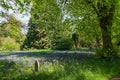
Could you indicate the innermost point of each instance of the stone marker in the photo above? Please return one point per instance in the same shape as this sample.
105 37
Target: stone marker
37 65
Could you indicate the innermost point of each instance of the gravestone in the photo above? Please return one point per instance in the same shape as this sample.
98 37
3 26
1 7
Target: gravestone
37 65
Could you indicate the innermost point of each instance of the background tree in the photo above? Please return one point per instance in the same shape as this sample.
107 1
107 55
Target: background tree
104 11
101 10
45 17
11 28
62 38
10 34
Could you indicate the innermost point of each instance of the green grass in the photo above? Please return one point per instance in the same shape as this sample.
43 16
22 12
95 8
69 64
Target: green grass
34 51
75 69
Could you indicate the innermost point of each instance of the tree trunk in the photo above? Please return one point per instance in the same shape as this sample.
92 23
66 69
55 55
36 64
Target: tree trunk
107 41
105 25
105 11
97 43
76 44
75 39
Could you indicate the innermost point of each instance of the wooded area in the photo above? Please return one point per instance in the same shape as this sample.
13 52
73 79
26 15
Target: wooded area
60 24
65 25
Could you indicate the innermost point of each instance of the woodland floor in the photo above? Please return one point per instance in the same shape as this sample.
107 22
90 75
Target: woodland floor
59 65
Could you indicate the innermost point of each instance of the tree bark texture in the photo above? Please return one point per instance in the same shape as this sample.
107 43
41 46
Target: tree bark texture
105 16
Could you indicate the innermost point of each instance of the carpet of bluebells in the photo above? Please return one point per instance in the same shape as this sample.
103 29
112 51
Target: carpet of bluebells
60 65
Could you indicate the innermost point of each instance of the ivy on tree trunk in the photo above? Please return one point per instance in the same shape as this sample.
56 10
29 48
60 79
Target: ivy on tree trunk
105 12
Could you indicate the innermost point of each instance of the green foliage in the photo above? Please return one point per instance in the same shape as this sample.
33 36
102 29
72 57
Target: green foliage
8 44
107 54
100 10
15 5
75 36
10 34
36 38
11 28
45 17
93 21
62 44
61 38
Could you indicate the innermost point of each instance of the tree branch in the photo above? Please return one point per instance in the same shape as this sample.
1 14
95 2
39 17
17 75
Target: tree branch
93 6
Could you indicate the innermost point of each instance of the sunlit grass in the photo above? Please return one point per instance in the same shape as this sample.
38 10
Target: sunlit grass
75 69
27 51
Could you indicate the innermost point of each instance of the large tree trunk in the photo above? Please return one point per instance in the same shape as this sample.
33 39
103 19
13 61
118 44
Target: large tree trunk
108 49
105 11
106 20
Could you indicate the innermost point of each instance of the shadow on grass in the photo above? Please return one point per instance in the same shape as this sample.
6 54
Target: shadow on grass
71 66
87 69
51 54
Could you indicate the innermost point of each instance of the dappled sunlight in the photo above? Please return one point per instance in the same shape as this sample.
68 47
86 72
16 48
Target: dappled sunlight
59 39
64 67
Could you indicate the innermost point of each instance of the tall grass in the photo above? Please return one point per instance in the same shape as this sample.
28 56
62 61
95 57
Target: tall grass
60 69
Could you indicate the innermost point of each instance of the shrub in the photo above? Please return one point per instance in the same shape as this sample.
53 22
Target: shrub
63 44
9 44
